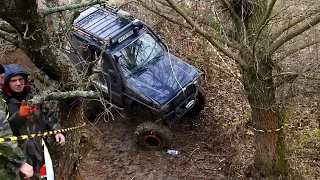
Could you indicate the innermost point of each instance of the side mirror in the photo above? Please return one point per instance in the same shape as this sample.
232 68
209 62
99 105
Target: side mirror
116 59
113 76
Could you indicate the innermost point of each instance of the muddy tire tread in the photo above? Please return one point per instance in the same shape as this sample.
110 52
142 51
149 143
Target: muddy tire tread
157 129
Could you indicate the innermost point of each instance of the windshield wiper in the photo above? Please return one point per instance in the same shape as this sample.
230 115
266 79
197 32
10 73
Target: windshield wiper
140 70
157 57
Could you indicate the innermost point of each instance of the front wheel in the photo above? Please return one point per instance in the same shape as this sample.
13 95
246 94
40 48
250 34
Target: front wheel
153 136
199 106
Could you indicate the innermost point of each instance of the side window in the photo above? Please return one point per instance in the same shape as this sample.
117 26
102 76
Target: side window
80 48
78 52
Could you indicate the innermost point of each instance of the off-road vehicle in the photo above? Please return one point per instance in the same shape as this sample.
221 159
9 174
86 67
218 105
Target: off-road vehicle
138 70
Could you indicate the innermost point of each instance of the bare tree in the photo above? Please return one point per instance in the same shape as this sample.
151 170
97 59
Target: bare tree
257 37
23 24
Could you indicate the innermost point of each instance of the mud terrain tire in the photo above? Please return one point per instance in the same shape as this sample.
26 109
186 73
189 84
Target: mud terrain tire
153 136
197 108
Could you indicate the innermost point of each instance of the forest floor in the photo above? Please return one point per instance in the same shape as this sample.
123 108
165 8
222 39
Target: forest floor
120 158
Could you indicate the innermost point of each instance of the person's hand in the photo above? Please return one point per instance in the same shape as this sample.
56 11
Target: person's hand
27 170
60 139
26 111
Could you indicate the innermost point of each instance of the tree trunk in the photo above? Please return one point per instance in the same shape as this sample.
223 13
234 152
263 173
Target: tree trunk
267 116
67 158
258 83
34 40
270 150
23 15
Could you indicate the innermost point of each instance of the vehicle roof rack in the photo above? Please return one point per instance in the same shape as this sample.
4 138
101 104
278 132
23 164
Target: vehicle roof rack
102 22
108 7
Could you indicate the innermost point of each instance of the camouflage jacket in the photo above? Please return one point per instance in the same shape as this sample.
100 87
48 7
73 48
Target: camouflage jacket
9 151
41 121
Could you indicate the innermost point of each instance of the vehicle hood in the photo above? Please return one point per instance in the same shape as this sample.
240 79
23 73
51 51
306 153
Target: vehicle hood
164 78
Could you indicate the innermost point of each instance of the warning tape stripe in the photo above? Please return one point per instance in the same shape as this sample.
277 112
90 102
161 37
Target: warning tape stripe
23 137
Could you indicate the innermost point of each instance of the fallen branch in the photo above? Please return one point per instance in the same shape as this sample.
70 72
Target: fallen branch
70 7
56 95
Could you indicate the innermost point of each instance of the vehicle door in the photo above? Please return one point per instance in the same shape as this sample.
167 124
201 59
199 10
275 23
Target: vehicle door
109 77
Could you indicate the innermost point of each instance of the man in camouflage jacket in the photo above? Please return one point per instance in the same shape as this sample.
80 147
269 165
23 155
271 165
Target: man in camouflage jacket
11 156
29 120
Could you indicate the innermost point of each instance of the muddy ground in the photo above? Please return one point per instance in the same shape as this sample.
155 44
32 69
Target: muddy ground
120 158
205 149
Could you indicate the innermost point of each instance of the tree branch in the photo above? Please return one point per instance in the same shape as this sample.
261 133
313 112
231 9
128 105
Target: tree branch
170 19
54 95
187 26
267 15
4 26
186 17
43 78
298 48
126 3
202 20
12 38
263 23
294 22
232 12
232 43
215 41
285 38
240 25
70 7
288 77
310 93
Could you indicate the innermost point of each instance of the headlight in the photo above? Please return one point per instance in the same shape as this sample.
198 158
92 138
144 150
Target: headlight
199 82
196 82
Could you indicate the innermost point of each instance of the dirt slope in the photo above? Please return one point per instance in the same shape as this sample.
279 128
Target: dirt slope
120 158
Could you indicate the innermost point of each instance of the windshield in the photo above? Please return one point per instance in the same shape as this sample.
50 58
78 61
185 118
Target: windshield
139 54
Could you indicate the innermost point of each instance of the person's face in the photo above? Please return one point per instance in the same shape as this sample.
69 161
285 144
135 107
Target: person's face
16 84
1 79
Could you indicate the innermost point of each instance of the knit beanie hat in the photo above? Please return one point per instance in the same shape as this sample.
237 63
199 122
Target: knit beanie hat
2 69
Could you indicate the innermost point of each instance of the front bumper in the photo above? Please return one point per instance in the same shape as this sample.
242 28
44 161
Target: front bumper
181 105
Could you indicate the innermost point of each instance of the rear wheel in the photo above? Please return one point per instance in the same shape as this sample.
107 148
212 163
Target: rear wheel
199 106
153 136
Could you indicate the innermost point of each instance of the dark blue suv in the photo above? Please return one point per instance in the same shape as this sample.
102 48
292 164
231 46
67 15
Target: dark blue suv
138 70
